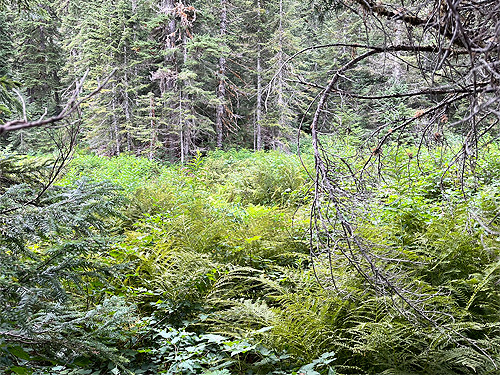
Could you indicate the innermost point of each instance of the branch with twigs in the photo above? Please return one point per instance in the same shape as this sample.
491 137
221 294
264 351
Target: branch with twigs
65 147
340 194
71 106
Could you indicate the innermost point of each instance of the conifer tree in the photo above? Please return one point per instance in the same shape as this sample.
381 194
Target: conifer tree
7 101
5 45
221 89
38 59
282 97
110 38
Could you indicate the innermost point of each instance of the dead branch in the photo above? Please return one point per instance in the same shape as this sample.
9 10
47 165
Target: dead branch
71 106
461 49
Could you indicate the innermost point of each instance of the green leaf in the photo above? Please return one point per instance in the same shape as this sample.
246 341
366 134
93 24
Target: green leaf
308 370
237 347
214 338
19 352
21 370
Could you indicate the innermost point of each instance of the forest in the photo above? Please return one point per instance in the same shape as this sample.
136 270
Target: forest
249 187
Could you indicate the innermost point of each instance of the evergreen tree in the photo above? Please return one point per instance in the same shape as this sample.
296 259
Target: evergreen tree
5 45
282 95
8 102
222 68
112 37
185 79
51 271
38 59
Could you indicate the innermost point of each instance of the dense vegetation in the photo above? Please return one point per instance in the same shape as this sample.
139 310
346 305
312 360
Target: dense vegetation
249 187
130 265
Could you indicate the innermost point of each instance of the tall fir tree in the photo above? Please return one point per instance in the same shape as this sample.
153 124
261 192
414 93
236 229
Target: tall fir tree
38 57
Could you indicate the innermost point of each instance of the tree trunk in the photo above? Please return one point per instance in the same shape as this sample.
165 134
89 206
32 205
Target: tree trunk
221 91
126 101
181 127
184 101
258 110
167 77
397 71
116 126
152 115
167 7
280 87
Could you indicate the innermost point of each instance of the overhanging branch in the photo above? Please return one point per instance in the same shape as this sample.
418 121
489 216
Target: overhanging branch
71 106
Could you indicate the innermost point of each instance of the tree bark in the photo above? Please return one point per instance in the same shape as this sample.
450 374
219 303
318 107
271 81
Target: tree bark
221 90
116 125
126 100
258 110
167 7
152 115
185 107
280 82
397 71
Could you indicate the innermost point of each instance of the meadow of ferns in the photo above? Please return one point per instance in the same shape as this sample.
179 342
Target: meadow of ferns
130 266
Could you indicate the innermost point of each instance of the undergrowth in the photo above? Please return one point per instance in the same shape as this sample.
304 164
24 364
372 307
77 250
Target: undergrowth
213 273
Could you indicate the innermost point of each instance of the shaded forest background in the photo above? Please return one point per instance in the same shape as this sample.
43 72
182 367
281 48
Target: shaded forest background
190 77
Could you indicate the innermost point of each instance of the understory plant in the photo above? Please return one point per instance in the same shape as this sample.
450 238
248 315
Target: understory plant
212 275
54 274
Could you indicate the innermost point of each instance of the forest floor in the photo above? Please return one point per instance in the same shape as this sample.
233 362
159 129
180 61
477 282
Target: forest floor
207 269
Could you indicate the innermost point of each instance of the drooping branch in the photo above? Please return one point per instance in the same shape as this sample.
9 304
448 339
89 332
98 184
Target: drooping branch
373 51
65 147
71 106
443 16
451 30
442 90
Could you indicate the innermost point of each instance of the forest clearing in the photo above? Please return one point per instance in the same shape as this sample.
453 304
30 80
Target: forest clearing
249 187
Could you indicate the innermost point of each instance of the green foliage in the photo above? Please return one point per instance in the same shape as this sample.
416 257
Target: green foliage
52 277
17 169
448 255
37 57
215 276
8 102
263 178
181 351
229 232
131 265
128 172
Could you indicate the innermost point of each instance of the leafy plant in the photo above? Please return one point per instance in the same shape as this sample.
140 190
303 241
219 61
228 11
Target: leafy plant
53 275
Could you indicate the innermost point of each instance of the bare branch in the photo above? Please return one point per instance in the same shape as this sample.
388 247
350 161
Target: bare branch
71 106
